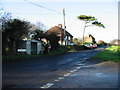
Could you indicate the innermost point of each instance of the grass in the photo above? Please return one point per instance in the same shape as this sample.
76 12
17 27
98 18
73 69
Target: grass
111 53
58 51
18 57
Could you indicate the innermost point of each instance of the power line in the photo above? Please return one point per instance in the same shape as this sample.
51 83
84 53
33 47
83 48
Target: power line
43 7
53 11
36 13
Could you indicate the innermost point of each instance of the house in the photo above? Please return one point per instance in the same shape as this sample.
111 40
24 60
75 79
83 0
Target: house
115 42
59 31
89 39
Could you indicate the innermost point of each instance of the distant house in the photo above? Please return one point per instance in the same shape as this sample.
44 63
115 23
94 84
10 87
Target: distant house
89 39
59 31
115 42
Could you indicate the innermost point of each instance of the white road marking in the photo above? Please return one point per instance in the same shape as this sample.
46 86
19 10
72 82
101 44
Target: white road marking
47 85
56 80
61 78
80 64
67 74
78 67
73 70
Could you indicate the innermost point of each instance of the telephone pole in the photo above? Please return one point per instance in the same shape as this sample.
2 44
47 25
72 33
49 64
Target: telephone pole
64 26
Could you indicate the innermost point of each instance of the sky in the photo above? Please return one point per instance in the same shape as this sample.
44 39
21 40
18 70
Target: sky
50 13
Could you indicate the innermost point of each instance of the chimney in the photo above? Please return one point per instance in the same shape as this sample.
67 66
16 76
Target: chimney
60 25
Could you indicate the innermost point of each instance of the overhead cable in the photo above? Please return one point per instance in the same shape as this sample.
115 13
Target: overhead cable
42 6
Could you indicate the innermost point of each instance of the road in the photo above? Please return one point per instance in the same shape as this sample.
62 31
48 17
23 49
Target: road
44 72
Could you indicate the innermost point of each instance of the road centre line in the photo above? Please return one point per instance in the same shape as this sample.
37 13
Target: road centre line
61 78
78 67
47 85
73 70
67 74
79 64
56 80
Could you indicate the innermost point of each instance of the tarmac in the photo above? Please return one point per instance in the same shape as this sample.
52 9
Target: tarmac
90 75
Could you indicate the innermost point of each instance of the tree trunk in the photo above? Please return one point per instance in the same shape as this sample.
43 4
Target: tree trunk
84 33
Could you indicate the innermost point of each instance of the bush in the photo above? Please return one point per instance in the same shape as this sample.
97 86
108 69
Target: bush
58 51
74 47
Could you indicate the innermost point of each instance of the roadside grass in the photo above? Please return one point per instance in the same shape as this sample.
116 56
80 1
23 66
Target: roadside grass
111 53
18 57
58 51
61 50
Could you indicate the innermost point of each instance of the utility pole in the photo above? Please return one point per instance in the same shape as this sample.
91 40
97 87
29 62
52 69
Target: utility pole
64 26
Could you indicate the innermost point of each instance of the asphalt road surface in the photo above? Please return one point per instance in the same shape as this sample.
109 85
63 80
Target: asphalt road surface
51 72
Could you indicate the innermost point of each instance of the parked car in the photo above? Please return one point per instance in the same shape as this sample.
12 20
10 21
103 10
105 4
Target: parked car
94 45
88 45
91 46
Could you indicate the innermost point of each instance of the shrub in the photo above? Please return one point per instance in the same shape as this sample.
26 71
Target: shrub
74 47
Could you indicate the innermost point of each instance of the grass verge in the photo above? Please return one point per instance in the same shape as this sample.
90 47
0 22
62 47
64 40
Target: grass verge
111 53
58 51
